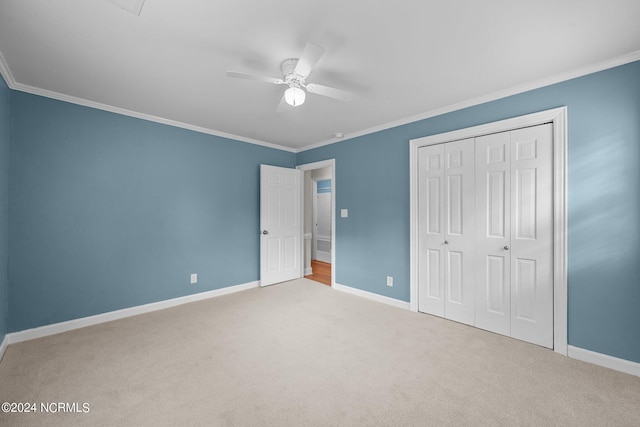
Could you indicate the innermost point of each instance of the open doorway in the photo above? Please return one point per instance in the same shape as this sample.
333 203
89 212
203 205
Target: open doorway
319 221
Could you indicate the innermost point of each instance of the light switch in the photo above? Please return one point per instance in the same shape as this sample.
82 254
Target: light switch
344 213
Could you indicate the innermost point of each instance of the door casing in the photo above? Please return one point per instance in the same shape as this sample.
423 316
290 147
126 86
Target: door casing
319 165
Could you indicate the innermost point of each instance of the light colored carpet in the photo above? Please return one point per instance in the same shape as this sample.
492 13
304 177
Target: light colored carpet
303 354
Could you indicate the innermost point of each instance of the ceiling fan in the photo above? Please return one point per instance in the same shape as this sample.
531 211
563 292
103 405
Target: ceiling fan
294 74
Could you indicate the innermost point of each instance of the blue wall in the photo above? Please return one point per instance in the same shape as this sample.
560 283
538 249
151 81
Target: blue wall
372 181
4 205
108 211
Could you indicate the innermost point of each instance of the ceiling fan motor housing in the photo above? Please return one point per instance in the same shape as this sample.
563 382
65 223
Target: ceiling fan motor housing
290 77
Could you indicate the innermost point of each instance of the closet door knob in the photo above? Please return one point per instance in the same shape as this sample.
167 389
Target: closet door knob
265 232
506 247
446 242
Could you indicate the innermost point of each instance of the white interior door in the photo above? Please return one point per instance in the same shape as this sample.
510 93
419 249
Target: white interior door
446 230
280 227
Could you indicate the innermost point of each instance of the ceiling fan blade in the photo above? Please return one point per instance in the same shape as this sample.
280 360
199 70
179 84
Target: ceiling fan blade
310 57
331 92
241 75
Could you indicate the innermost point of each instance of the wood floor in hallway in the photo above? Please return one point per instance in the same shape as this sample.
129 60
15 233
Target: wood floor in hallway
321 272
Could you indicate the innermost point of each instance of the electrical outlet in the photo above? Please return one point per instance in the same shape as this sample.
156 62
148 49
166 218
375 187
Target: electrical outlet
390 281
194 278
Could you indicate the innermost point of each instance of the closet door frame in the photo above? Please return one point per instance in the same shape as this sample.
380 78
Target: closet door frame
558 118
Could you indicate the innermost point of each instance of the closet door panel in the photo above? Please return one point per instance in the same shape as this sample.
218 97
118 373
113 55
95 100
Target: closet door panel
493 229
532 237
460 231
431 230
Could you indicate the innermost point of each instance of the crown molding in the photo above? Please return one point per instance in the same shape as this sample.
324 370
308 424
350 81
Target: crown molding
6 73
13 84
558 78
125 112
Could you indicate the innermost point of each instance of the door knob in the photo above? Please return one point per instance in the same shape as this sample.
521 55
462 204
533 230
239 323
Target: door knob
506 247
265 232
446 242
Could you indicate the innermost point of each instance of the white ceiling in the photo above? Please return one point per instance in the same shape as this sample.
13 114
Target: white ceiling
403 59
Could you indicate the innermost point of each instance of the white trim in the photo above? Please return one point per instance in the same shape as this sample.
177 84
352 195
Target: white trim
558 117
13 84
319 165
558 78
3 346
604 360
579 72
6 73
314 218
144 116
336 140
560 253
306 237
70 325
370 295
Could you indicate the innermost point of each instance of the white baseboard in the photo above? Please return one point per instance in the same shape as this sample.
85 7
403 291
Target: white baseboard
370 295
622 365
3 346
70 325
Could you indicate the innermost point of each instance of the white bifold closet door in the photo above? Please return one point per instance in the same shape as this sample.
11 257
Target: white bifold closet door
485 226
446 229
514 240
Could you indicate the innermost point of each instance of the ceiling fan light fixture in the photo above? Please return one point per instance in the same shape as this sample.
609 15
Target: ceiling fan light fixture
294 74
294 96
